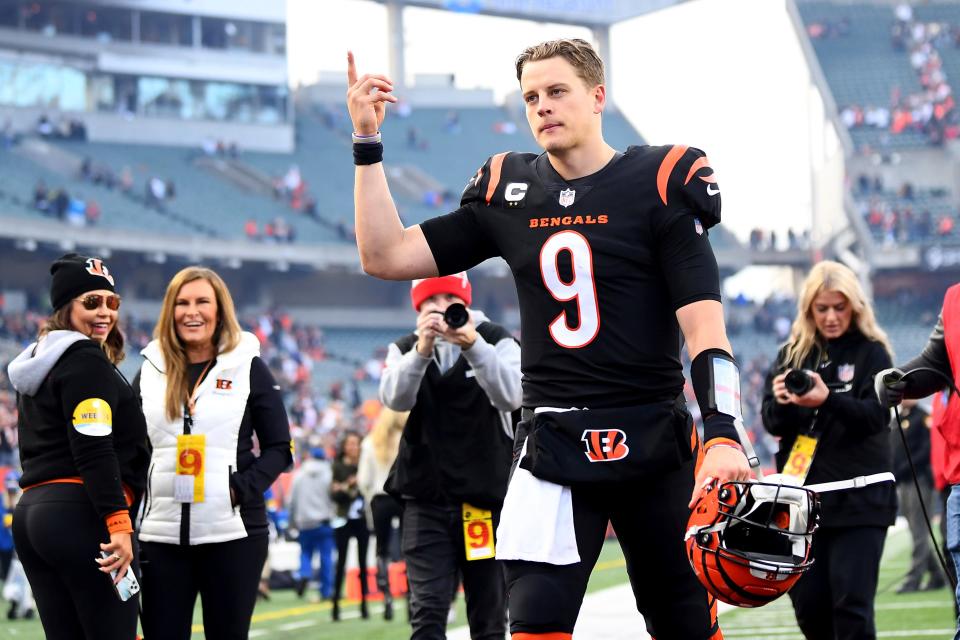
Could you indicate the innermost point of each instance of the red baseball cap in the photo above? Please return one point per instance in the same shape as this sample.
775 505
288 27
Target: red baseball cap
456 284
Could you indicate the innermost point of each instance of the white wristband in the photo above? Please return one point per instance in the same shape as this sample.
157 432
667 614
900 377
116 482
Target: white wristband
372 138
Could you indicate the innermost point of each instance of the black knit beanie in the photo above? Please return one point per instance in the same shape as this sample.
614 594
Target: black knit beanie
74 274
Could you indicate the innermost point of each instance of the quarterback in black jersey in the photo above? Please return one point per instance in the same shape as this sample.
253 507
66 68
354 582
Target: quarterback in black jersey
611 260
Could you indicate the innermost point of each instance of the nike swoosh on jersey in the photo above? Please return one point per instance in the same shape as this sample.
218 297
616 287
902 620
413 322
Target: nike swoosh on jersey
712 190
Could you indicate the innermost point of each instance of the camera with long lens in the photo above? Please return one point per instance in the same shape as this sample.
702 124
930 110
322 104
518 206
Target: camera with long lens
456 315
798 382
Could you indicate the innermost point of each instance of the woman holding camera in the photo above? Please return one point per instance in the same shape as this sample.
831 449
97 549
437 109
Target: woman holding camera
819 400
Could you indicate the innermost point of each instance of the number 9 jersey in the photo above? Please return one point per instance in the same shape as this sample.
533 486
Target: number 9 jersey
601 265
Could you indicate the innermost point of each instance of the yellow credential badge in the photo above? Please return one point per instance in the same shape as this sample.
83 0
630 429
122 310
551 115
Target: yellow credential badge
801 457
477 533
93 417
191 463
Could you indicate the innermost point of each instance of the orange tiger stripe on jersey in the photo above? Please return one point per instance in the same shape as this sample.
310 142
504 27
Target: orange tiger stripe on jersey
714 621
553 635
700 163
666 168
496 163
696 449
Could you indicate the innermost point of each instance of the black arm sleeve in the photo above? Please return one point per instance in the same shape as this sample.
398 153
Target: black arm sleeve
934 356
859 411
272 427
82 379
458 241
687 260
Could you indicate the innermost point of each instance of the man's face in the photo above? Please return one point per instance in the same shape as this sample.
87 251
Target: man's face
563 112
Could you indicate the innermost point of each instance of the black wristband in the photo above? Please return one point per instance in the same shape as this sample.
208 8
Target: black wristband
366 153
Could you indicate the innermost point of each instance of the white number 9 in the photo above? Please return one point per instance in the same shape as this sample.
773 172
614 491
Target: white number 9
581 288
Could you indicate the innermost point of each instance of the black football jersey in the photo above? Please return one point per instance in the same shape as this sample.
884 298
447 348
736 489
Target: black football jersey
601 265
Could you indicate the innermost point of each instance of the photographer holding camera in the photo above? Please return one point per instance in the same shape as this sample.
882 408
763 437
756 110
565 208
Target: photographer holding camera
819 400
460 384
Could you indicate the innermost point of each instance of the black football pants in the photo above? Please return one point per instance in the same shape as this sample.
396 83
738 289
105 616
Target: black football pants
57 535
650 518
433 547
833 600
225 575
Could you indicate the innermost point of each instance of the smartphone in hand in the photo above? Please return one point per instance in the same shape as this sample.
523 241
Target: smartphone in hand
128 586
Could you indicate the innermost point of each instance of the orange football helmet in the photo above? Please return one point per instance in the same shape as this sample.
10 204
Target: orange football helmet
749 542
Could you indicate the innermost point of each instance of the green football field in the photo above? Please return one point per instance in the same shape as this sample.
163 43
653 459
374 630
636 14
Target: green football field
920 615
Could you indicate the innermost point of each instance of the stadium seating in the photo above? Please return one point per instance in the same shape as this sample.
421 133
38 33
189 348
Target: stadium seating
19 176
200 195
862 67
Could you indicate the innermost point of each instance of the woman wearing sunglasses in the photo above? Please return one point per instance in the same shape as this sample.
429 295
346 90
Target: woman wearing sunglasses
84 456
205 393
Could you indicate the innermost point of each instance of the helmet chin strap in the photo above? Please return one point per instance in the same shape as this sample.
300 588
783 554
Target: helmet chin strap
748 449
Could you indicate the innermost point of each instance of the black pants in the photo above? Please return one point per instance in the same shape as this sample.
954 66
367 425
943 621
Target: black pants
6 559
923 559
433 547
354 528
225 575
57 535
834 598
385 508
650 517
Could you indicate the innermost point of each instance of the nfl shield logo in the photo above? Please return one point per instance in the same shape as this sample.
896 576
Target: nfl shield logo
845 372
566 197
697 226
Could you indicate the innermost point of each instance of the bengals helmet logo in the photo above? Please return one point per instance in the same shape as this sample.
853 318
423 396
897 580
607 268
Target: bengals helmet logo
95 267
605 445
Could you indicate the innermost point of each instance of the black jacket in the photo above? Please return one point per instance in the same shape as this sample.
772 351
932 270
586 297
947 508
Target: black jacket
56 443
454 447
852 428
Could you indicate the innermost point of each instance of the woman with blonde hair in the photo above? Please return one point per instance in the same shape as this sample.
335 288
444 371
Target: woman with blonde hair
206 393
819 399
377 453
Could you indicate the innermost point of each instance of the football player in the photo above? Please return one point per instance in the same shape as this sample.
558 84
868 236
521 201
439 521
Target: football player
611 260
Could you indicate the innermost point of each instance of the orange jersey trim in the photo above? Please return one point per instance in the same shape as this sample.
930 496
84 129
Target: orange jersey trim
696 449
127 492
666 168
496 164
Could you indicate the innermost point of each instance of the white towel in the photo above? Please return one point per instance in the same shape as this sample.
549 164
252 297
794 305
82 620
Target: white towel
536 521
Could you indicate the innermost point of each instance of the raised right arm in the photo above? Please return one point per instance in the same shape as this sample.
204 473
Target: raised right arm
387 249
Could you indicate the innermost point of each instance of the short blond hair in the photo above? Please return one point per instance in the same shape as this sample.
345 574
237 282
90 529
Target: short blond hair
579 53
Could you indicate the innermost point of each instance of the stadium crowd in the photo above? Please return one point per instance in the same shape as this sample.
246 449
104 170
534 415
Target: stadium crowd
931 111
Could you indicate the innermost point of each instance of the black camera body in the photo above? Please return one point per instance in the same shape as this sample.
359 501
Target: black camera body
798 382
456 315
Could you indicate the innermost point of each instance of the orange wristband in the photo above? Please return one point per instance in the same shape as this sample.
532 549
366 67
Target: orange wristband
722 441
119 522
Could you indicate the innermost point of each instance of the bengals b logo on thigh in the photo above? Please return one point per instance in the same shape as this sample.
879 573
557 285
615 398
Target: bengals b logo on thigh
605 445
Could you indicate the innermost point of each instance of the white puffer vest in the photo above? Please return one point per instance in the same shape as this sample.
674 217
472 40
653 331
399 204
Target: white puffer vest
221 401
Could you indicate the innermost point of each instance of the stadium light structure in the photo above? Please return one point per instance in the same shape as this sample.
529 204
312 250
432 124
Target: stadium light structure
596 15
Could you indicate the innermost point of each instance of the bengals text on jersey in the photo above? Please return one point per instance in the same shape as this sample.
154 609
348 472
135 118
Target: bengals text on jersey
601 265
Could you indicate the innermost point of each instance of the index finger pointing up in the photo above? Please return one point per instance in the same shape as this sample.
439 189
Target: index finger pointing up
351 69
